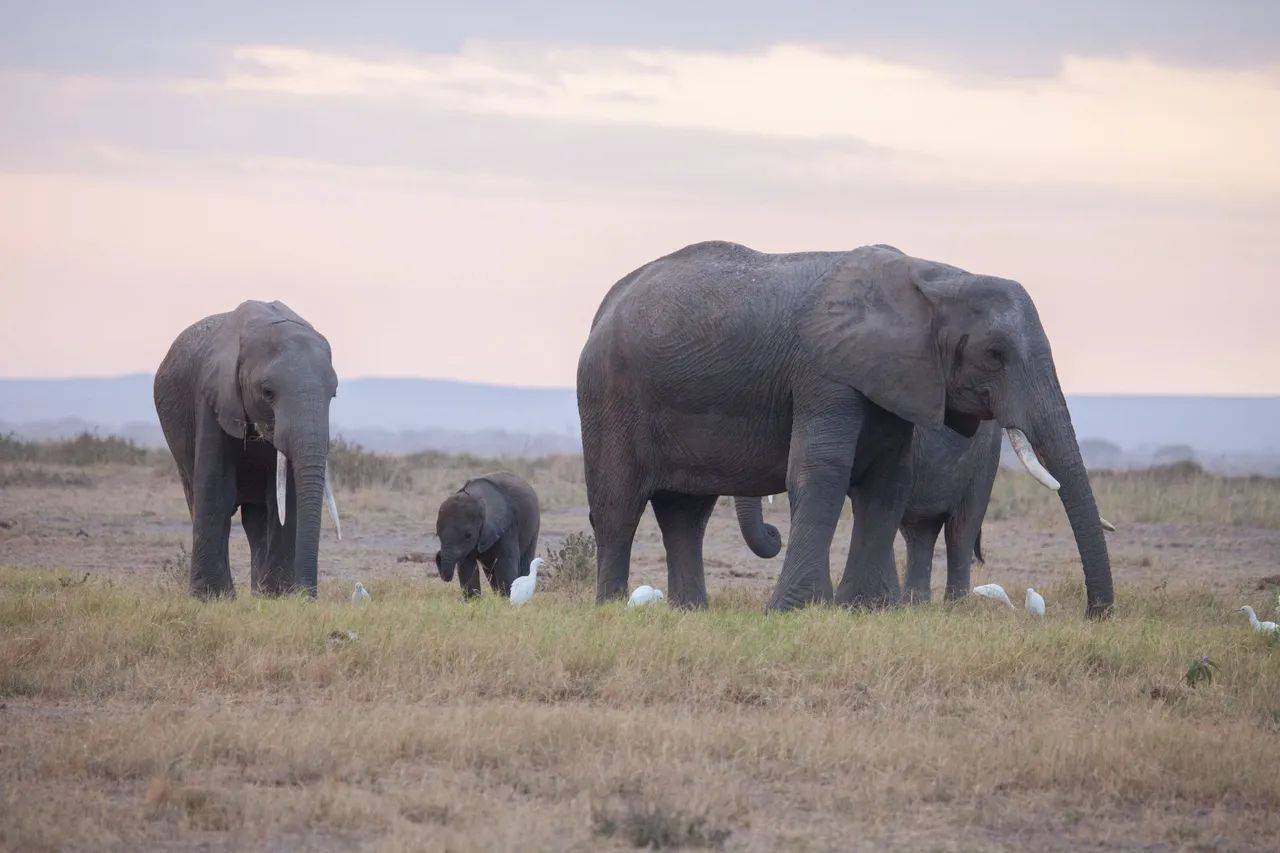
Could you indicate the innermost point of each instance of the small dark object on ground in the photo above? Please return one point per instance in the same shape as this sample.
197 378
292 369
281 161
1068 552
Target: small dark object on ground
1200 670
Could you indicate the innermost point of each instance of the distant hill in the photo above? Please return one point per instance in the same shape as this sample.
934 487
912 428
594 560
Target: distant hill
1236 434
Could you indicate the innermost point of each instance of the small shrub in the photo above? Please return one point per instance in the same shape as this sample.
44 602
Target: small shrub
176 570
657 828
82 451
40 476
352 467
573 565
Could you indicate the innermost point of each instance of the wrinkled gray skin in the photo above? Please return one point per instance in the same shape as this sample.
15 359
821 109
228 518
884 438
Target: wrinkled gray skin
764 540
493 520
233 389
720 370
951 483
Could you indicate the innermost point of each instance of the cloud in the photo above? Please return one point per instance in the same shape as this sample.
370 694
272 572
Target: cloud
1133 123
397 197
154 38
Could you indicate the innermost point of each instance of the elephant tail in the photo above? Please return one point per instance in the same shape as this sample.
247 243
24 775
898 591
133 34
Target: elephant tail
977 548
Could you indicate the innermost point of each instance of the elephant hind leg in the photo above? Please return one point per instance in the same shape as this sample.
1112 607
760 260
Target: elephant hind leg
257 529
962 538
683 521
879 501
921 538
615 519
275 577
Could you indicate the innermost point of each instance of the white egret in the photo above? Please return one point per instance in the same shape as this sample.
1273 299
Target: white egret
644 594
1034 602
360 595
522 587
993 591
1253 620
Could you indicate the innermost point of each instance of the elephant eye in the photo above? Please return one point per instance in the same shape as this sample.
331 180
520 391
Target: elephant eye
268 394
997 356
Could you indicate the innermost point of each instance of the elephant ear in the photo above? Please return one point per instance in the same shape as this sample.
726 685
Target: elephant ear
869 323
220 375
497 518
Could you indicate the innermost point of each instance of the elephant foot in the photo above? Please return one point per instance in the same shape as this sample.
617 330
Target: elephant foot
1099 611
781 602
210 593
917 596
869 600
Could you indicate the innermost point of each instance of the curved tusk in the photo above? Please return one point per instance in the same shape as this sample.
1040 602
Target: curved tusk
1027 456
331 502
1106 525
282 478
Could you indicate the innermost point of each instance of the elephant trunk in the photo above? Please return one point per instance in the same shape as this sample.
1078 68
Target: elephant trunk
445 564
302 445
764 540
309 475
1054 437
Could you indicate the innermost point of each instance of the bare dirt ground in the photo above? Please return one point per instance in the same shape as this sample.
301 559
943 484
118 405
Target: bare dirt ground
851 750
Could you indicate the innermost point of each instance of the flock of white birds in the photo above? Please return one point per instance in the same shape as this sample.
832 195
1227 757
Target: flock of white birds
1034 602
522 590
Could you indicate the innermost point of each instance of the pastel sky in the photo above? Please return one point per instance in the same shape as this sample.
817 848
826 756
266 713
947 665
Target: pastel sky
448 189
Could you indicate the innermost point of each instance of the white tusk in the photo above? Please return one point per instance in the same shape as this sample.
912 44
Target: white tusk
1027 456
331 502
282 478
1106 525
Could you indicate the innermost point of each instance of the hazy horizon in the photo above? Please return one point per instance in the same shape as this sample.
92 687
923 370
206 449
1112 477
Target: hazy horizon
422 180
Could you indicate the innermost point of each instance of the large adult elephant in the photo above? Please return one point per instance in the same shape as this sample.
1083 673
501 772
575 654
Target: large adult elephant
722 370
951 482
243 399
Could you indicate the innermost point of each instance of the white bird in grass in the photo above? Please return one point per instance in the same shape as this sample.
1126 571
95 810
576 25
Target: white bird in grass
1253 620
993 591
522 587
644 594
360 595
1034 602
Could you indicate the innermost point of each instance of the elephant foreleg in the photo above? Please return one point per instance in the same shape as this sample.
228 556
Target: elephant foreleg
469 576
253 518
962 539
823 441
214 491
506 565
683 522
921 537
879 501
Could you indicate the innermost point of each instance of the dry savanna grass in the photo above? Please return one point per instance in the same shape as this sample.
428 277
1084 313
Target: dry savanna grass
135 718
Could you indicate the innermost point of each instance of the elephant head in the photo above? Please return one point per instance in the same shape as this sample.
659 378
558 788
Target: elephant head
468 524
269 376
936 345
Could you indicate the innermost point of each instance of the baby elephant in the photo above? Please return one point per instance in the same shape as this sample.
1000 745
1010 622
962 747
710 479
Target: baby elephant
493 519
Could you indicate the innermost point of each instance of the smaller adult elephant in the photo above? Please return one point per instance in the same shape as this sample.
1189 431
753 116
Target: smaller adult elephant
243 401
951 483
493 520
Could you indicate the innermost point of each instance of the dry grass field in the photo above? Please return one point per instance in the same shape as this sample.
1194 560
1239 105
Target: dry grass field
134 718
